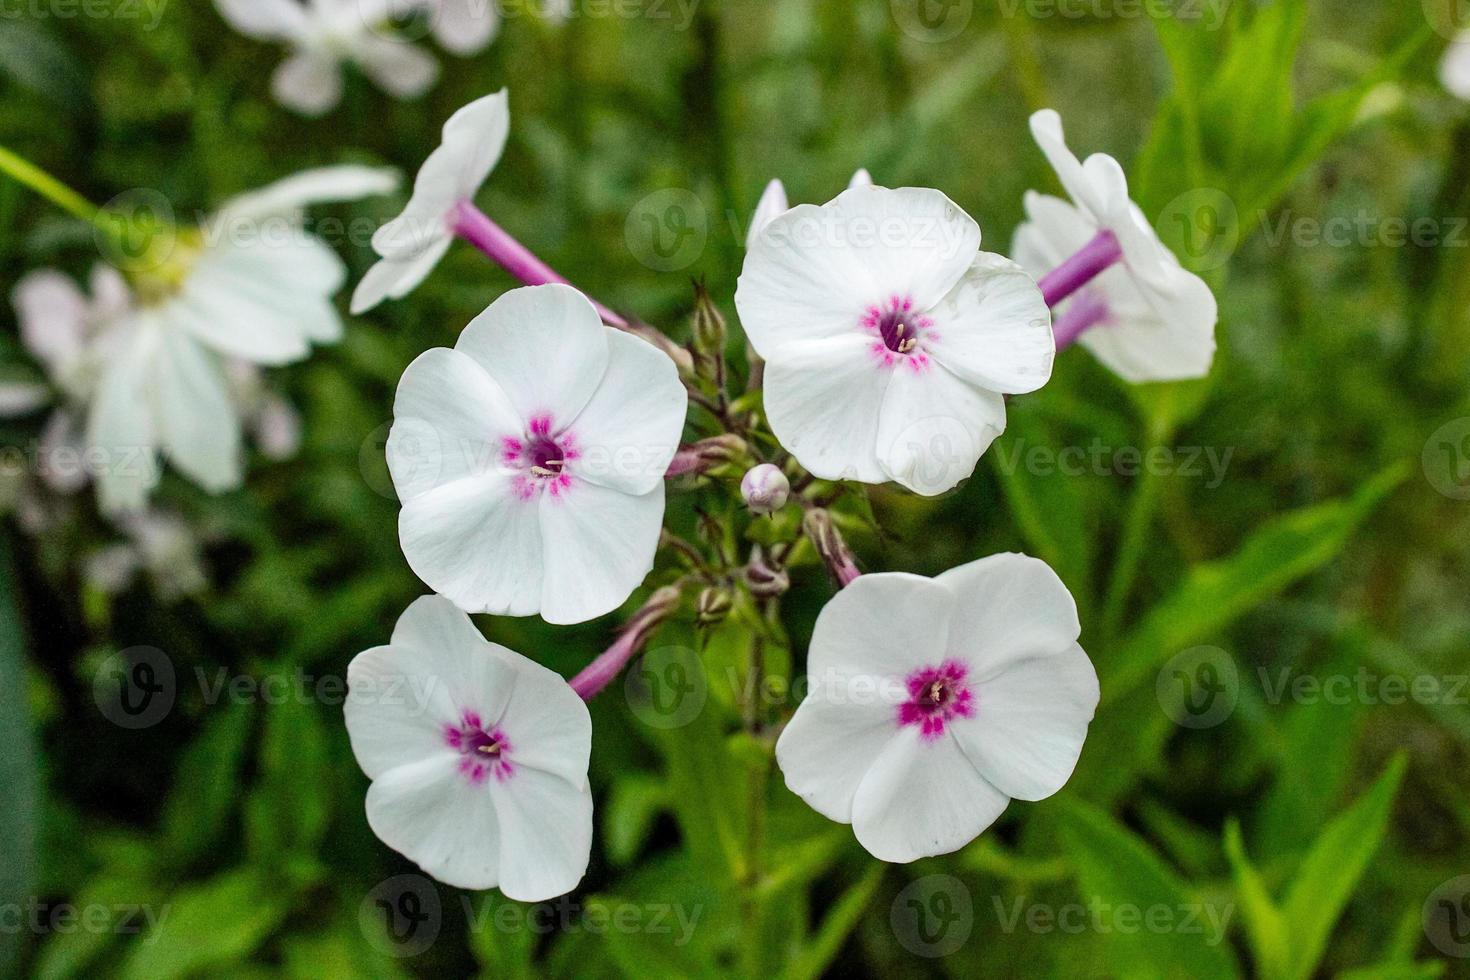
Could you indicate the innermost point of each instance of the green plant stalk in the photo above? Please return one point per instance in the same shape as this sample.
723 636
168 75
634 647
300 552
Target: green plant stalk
755 824
27 174
1130 552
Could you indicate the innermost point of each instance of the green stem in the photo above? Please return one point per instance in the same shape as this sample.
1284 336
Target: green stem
53 190
1130 551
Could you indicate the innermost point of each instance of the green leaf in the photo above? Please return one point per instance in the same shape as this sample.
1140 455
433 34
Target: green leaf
208 926
206 786
69 954
628 816
816 957
505 953
1264 922
1119 869
18 770
1330 872
291 805
1212 595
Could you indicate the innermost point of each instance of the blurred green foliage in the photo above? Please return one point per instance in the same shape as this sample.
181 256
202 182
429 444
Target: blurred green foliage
1317 830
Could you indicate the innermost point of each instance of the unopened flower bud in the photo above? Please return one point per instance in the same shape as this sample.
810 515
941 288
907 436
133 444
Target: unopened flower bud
706 454
765 489
709 323
713 606
766 578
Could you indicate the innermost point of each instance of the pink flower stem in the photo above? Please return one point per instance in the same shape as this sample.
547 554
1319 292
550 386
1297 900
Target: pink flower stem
475 227
1094 258
1087 310
602 671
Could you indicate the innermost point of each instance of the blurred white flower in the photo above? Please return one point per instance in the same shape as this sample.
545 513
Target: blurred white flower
69 334
889 337
414 242
1454 69
160 544
464 27
252 285
323 35
273 421
477 756
934 702
530 459
1145 316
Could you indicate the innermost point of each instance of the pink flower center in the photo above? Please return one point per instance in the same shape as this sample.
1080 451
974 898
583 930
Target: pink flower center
540 457
899 331
483 751
937 695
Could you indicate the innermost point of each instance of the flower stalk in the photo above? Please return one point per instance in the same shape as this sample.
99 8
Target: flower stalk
23 172
602 671
1090 261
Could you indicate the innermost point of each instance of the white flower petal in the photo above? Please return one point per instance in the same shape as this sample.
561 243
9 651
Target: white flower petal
628 432
599 546
1046 127
814 271
825 750
198 425
548 724
395 278
546 347
399 68
1030 723
432 815
1054 231
464 27
545 835
21 398
1008 606
265 20
63 439
52 313
308 82
449 420
861 178
934 427
995 329
121 423
398 705
290 273
824 400
772 205
473 140
1155 334
920 799
323 185
885 624
238 314
1454 70
476 542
